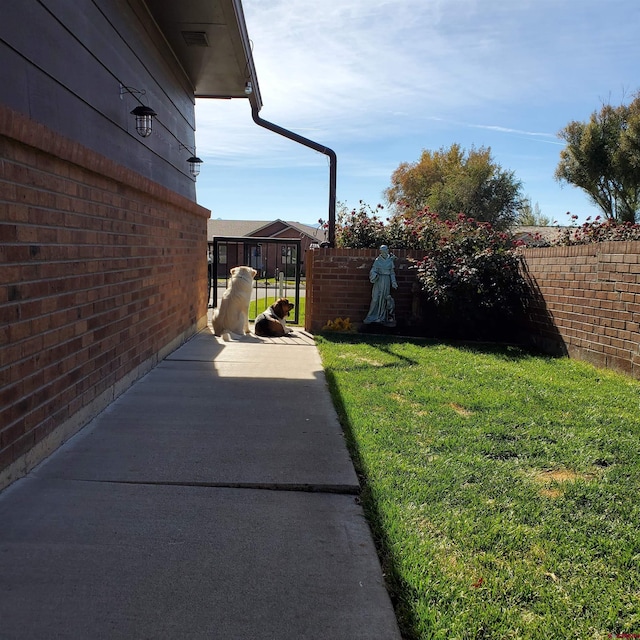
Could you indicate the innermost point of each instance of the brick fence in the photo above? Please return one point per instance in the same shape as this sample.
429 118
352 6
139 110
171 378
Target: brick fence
102 272
338 286
586 298
587 303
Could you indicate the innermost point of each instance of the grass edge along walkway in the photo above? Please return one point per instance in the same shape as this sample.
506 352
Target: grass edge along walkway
502 487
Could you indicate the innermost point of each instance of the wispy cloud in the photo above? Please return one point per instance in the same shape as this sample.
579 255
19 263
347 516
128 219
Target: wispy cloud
491 127
539 136
380 78
340 68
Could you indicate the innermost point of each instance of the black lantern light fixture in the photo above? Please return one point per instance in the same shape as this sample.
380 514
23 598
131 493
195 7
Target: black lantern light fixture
194 162
144 120
144 115
194 166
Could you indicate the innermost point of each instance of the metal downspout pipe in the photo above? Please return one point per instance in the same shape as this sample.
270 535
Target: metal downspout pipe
333 162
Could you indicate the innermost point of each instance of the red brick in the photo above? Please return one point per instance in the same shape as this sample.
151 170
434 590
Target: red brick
87 239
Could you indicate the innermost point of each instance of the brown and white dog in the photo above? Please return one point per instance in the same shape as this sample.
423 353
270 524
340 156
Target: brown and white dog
231 317
272 322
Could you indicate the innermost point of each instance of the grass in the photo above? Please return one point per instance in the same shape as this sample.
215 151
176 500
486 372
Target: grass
502 487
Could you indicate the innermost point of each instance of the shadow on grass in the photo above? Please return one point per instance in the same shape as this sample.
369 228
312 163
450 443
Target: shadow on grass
403 594
503 351
400 592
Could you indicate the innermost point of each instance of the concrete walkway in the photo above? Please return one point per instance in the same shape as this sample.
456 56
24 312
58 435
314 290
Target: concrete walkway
214 499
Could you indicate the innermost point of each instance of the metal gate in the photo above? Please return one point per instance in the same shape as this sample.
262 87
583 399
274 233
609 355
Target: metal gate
277 261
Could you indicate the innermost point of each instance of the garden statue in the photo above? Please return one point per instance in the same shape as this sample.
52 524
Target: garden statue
383 278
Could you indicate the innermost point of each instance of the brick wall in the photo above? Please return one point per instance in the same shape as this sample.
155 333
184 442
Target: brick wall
102 272
587 302
338 286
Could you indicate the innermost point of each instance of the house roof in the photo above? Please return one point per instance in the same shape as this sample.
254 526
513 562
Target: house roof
210 42
533 235
315 232
241 228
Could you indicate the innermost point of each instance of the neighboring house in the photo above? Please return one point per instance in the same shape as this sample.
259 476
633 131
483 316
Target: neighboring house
537 236
268 259
101 239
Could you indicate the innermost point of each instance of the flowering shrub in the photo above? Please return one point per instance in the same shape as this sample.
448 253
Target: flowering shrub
472 280
598 230
419 230
360 229
364 229
472 262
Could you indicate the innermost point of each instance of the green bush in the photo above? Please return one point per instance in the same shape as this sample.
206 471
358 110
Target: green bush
360 228
364 228
470 280
472 283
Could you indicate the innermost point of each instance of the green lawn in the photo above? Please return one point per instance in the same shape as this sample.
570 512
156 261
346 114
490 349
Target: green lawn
258 306
503 488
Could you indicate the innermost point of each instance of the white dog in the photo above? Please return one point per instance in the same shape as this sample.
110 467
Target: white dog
232 314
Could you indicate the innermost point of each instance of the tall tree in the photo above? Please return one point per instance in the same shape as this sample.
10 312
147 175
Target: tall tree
530 215
602 157
453 181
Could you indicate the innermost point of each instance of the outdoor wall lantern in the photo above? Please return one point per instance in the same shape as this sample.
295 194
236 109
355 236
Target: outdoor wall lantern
144 115
194 161
248 89
194 166
144 120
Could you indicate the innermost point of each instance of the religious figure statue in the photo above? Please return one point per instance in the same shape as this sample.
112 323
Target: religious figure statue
383 278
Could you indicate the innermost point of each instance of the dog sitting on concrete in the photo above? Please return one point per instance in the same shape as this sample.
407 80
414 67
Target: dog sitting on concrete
231 317
272 322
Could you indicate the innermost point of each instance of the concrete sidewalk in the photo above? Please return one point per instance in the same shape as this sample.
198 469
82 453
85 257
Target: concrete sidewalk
214 499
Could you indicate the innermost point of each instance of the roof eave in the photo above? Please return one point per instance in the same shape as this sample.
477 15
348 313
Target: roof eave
221 64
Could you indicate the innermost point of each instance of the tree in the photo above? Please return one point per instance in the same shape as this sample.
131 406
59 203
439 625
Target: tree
531 216
452 181
602 157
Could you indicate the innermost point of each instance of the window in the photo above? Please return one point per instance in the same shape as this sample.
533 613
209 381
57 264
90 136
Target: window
288 253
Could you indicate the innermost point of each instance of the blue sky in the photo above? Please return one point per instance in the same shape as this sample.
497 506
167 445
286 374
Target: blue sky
378 81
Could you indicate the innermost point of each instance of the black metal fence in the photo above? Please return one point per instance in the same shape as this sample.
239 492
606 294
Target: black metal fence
278 263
